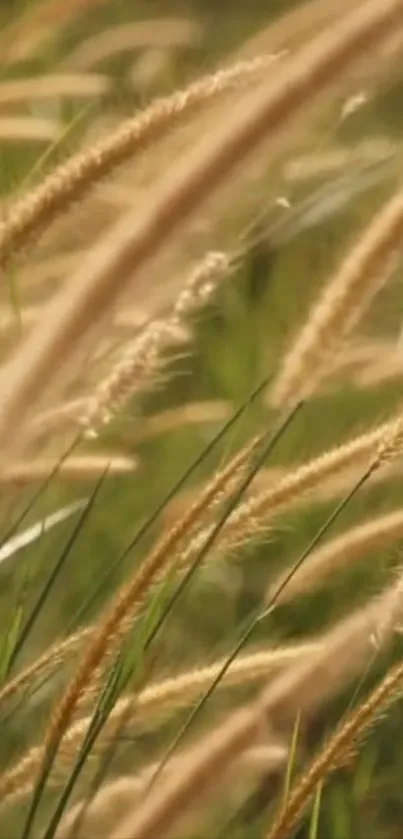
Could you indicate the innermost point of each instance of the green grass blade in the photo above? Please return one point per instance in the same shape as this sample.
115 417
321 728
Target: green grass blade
38 493
118 562
54 574
314 823
291 759
256 621
263 453
260 460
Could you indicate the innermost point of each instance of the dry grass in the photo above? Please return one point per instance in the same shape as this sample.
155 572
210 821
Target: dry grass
251 516
132 244
147 706
113 799
372 535
338 751
36 211
342 655
341 305
140 361
160 32
101 321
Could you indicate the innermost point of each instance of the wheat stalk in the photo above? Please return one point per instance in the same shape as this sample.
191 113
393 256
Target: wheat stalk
22 37
251 516
303 687
337 751
50 86
162 697
73 179
159 31
135 241
74 468
342 303
117 796
131 595
140 361
30 129
372 535
54 655
180 690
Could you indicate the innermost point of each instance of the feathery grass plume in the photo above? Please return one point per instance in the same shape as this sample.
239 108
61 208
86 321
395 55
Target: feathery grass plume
61 416
158 32
341 305
117 796
56 654
108 631
23 36
166 696
28 129
333 486
59 650
205 767
74 85
338 751
160 698
361 351
300 689
346 646
140 361
74 468
135 241
250 516
373 534
380 370
390 445
33 213
171 419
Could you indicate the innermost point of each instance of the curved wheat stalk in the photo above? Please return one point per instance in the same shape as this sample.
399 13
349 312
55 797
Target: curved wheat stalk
171 419
135 241
251 516
73 179
117 796
56 654
77 85
29 129
140 361
305 684
166 696
301 688
22 37
338 750
108 632
164 552
163 697
75 468
342 303
158 32
373 534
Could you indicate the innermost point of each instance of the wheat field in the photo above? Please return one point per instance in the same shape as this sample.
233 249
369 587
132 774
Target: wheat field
201 421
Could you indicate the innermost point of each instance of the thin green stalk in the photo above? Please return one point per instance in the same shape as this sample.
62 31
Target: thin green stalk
117 563
257 620
232 504
54 574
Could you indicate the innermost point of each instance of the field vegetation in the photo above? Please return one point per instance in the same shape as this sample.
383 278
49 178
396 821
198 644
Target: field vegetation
201 419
